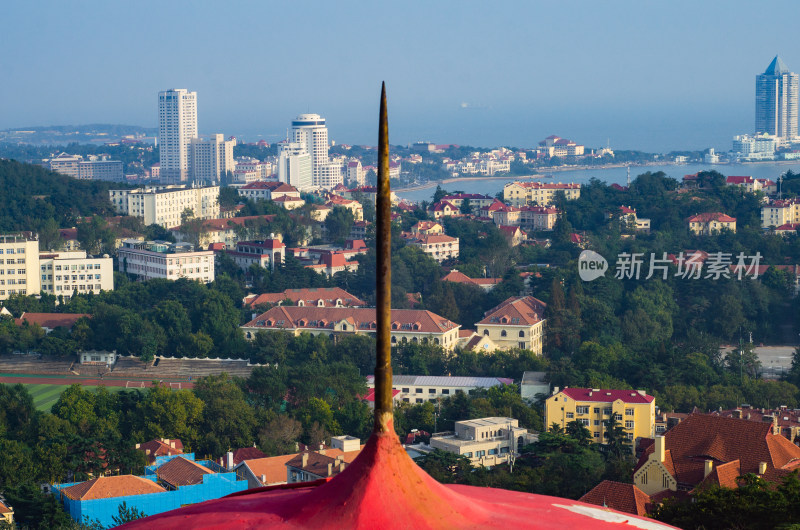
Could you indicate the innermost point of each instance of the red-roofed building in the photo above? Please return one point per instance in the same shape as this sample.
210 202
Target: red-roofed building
236 457
268 190
408 325
487 284
780 212
538 193
312 296
113 486
618 496
705 224
707 449
266 254
332 262
633 410
513 234
51 321
444 209
354 206
516 323
160 447
748 183
438 246
427 227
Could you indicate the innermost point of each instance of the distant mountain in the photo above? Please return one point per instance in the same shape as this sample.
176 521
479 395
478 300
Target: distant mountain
67 134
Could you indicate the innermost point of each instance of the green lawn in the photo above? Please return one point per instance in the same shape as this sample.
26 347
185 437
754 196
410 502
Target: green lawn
44 396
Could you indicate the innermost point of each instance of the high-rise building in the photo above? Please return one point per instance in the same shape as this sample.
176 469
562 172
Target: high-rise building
309 130
177 125
211 159
776 100
294 165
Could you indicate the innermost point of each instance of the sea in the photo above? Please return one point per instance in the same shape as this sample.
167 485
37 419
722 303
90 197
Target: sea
618 175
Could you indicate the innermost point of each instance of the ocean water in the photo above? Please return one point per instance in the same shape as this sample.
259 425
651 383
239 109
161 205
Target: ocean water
771 170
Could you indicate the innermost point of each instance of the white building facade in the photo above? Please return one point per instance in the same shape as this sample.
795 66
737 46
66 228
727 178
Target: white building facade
777 91
294 165
160 259
212 158
19 265
177 125
66 273
163 205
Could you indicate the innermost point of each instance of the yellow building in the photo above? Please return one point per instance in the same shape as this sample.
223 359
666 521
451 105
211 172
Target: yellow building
538 193
19 265
6 513
706 224
635 411
780 212
516 323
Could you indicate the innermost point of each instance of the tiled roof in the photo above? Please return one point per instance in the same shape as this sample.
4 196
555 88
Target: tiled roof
549 185
271 185
4 508
524 310
317 463
246 453
114 486
270 470
309 296
52 320
711 216
182 472
291 317
439 206
161 448
738 180
428 239
724 475
220 225
460 277
703 436
618 496
604 395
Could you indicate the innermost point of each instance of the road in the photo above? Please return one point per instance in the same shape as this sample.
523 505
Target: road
775 360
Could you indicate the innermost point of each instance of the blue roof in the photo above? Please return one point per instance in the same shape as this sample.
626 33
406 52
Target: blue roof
777 67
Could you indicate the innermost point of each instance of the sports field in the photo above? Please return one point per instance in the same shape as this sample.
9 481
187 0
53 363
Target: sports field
45 395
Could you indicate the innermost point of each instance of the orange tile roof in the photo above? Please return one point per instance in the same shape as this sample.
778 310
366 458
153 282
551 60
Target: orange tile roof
711 216
155 448
724 475
4 508
51 320
182 472
527 309
272 469
114 486
618 496
460 277
292 317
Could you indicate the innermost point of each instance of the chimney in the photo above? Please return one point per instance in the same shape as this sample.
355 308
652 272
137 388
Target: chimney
708 467
172 444
737 414
660 449
555 390
305 460
264 479
642 392
229 460
138 446
762 468
147 451
330 469
342 466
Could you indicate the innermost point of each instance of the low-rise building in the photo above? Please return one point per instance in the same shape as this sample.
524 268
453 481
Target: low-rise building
422 388
618 496
312 296
265 254
164 205
6 513
333 262
50 321
487 284
780 212
485 441
65 273
749 184
444 209
94 357
228 230
438 246
268 191
633 410
95 168
408 325
160 259
513 234
705 224
354 206
427 228
538 193
631 222
516 323
476 200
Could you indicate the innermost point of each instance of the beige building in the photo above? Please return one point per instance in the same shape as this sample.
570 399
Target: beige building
265 254
438 246
19 265
211 159
161 259
427 227
485 441
780 212
421 388
516 323
632 222
65 273
538 193
408 325
706 224
6 513
163 205
635 411
354 206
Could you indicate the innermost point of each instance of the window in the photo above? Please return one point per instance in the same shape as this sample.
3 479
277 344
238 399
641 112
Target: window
445 391
492 451
405 390
468 455
596 435
570 415
419 400
431 391
521 333
597 410
480 454
521 345
596 423
629 412
418 390
607 411
503 333
629 424
584 421
618 417
485 332
582 409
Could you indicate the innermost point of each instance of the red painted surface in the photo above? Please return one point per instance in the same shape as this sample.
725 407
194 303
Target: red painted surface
383 488
88 381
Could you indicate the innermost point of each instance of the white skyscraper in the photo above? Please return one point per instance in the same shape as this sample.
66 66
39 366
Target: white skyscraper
777 91
294 165
211 159
177 125
310 131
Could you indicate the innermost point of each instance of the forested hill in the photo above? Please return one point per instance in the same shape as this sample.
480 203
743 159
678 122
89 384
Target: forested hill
30 196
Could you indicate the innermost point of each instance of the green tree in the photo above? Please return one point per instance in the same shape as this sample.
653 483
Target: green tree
127 514
339 223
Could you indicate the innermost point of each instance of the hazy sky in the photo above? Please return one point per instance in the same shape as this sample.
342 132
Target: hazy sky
639 74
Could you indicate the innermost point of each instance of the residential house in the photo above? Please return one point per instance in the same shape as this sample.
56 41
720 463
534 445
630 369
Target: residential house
635 411
333 262
444 209
749 184
427 228
267 471
538 218
487 284
355 207
160 447
438 246
485 441
780 212
538 193
6 513
631 222
705 224
237 456
513 234
266 254
626 498
288 203
408 325
712 450
312 296
268 191
518 322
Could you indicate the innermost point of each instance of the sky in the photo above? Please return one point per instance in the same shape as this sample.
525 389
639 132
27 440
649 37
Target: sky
654 76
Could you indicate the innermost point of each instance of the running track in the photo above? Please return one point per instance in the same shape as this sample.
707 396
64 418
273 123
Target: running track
89 381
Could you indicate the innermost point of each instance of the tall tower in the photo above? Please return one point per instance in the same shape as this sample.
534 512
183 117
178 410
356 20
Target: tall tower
309 130
177 125
776 100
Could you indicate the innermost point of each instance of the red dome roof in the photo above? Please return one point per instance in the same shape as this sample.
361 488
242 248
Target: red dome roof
383 488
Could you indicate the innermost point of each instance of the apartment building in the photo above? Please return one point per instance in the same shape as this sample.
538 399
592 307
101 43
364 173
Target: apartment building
268 191
705 224
65 273
266 253
161 259
485 441
19 265
177 125
440 247
95 168
538 193
211 159
422 388
780 212
408 325
163 205
516 323
634 410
